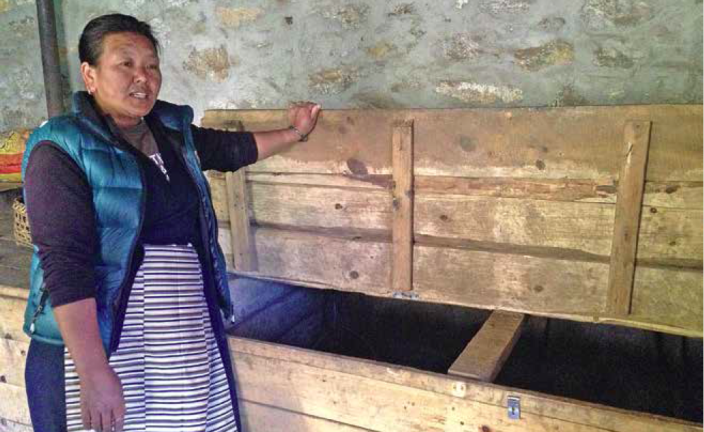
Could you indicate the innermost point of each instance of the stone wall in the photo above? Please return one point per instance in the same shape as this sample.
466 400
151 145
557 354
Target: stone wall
382 54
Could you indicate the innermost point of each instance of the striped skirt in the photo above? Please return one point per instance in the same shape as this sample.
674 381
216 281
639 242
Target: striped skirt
168 362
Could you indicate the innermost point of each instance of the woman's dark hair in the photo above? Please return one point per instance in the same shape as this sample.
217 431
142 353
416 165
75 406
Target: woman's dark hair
90 45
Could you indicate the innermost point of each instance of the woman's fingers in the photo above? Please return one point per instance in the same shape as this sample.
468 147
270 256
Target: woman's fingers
106 422
315 111
102 401
96 423
118 423
85 416
304 115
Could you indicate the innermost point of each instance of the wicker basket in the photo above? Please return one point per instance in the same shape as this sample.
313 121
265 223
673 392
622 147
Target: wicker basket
21 225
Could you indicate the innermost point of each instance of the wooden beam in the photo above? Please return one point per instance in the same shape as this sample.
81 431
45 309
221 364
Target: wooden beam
12 313
488 350
574 142
14 405
627 219
13 356
402 225
243 251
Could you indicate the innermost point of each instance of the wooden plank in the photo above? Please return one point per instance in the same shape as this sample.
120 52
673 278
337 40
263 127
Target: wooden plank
347 263
668 296
402 204
10 426
264 418
380 396
504 277
486 353
667 234
627 219
225 241
242 247
681 195
218 191
570 190
12 313
515 282
464 142
381 182
13 356
13 291
579 227
230 201
323 207
14 406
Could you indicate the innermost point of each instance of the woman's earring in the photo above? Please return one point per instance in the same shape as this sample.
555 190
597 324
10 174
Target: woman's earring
90 92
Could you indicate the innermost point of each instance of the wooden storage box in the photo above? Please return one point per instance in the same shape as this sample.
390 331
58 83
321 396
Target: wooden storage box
588 214
328 360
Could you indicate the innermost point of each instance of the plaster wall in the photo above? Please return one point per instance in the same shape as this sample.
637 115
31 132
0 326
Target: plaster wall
382 54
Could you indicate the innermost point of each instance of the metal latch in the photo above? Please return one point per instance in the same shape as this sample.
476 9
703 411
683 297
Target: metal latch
514 407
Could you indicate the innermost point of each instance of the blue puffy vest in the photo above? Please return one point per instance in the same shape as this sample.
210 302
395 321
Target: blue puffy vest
118 198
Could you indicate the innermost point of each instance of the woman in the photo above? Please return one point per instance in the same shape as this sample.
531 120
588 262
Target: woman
127 273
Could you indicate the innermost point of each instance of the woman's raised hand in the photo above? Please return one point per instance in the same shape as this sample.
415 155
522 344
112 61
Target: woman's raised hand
303 116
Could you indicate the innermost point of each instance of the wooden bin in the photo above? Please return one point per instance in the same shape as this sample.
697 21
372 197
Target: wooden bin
589 214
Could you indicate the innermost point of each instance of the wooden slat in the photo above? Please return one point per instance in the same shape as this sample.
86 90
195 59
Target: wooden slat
579 227
680 195
464 142
402 225
13 356
486 353
12 313
666 233
627 219
240 228
225 241
669 234
515 282
384 397
10 426
13 291
263 418
503 277
218 191
316 260
323 207
14 404
381 182
668 296
231 202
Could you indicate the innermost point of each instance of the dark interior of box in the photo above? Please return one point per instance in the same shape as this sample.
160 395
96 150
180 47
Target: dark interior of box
611 365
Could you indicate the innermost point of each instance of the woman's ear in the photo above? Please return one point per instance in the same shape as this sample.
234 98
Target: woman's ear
88 75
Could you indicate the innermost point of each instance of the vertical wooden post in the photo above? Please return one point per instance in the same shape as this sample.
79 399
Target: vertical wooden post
629 203
402 230
240 229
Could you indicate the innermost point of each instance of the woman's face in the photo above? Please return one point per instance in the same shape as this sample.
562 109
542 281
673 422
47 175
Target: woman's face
126 79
